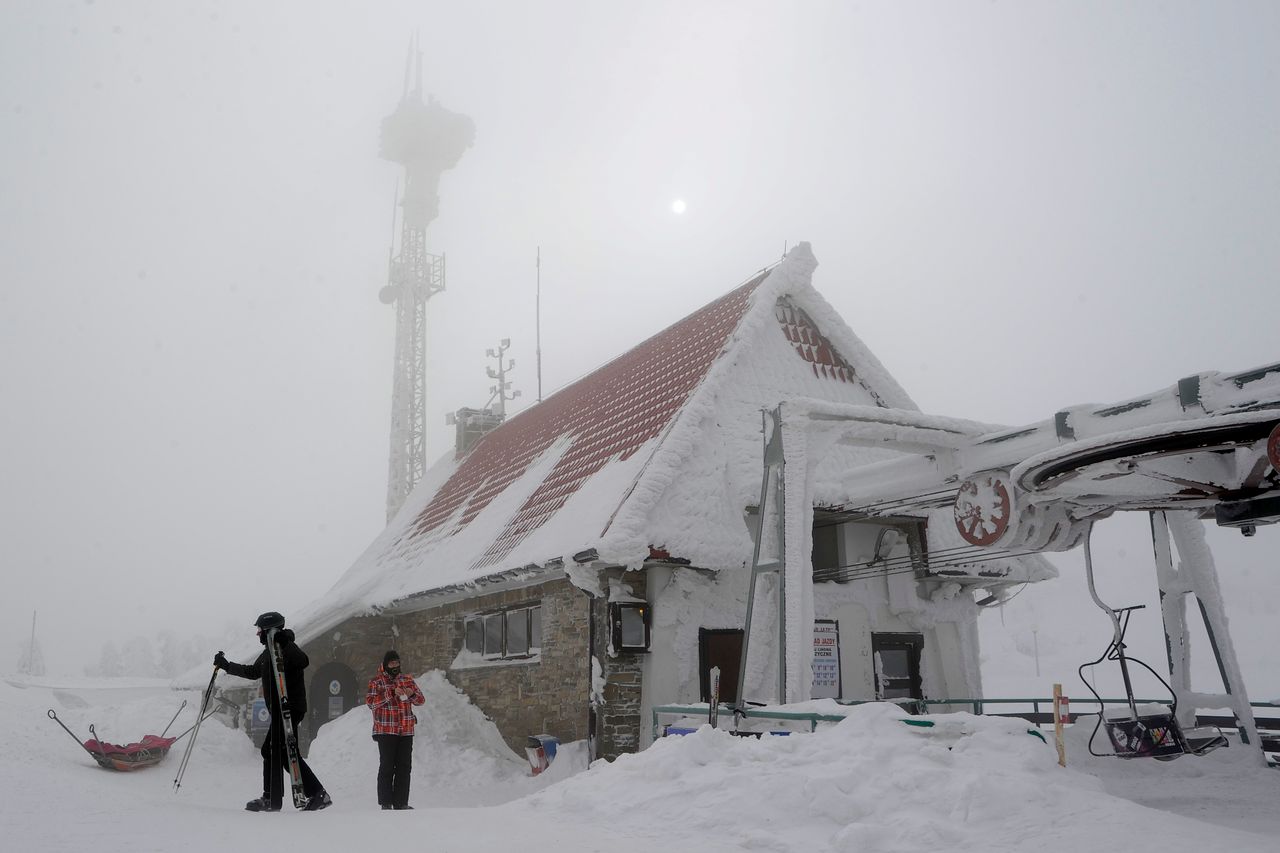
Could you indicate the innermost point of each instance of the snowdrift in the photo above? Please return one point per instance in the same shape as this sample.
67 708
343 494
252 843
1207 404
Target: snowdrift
459 759
869 783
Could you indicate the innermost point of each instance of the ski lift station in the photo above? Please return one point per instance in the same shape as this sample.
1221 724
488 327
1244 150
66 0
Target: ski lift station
750 490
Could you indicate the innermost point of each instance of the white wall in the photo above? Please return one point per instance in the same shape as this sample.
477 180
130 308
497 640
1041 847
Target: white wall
861 608
685 600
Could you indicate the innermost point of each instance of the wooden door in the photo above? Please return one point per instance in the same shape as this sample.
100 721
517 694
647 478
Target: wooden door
720 647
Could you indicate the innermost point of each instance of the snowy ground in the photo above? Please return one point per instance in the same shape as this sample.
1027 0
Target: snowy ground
867 784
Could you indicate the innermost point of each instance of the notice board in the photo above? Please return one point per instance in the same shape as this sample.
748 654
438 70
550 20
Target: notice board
826 659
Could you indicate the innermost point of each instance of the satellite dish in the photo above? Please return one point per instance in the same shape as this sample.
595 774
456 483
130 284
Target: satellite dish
387 295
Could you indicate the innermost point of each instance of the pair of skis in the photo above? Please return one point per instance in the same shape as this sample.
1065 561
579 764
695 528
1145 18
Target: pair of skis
276 657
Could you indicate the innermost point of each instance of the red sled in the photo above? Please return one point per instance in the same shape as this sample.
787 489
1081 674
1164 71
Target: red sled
147 752
112 756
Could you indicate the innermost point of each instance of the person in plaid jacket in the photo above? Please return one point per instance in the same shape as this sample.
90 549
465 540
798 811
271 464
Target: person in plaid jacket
392 695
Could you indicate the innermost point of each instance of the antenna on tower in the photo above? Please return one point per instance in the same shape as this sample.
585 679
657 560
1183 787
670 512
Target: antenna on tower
31 649
498 401
408 63
417 46
388 294
395 203
538 320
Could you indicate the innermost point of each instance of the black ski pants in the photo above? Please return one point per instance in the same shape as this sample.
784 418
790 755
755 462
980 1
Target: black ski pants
395 765
275 766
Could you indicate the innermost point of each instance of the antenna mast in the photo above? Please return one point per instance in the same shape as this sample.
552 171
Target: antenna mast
426 139
31 649
538 321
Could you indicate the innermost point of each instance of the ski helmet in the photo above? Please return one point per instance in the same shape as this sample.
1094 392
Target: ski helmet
269 620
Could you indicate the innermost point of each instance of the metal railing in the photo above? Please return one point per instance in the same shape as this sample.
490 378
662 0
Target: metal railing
1035 716
703 709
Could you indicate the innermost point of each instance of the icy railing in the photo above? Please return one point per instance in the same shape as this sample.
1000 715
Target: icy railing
702 710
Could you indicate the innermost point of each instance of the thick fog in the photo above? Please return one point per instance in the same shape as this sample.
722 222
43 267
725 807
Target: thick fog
1017 206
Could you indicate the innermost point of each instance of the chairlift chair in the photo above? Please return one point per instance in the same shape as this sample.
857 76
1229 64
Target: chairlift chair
1140 731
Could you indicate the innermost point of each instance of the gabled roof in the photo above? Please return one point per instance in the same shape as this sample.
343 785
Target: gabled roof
608 414
587 468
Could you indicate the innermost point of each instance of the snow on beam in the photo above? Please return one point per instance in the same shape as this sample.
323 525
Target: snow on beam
962 431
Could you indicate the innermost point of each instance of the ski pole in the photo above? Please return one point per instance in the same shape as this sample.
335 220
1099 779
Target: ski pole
175 716
195 725
195 730
54 716
98 741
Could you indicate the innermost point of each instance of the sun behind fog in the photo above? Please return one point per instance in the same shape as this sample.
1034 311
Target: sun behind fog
678 206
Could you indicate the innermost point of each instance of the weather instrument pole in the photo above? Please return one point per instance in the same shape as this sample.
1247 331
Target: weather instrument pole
538 320
31 649
497 404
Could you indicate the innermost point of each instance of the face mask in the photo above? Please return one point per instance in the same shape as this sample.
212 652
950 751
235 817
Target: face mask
393 671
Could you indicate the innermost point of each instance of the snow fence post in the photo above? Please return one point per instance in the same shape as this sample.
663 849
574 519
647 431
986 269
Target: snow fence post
714 711
1058 702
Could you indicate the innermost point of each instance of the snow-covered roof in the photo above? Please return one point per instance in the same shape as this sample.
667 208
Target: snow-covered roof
658 448
607 416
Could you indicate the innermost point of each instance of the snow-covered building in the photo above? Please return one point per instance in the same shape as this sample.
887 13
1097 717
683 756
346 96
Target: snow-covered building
591 557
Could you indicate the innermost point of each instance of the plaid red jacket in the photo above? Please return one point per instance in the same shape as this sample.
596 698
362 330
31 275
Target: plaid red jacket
392 715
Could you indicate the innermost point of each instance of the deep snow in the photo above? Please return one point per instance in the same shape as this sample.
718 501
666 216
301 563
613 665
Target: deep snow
867 784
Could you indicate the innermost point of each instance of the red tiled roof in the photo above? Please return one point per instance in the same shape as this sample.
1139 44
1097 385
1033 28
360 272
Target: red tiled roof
814 347
609 413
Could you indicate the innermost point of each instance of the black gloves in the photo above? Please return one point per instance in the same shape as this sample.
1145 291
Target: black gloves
220 661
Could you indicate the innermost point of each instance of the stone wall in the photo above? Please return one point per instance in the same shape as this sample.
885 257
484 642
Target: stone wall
618 716
549 694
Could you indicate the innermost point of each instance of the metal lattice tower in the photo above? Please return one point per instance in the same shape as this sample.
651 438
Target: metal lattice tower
426 139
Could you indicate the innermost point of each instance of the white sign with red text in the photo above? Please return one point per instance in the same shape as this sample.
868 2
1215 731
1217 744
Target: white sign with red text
826 659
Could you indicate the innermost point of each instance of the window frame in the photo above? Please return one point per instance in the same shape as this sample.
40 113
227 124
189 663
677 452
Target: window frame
468 622
511 621
535 621
913 530
503 616
499 618
913 645
616 609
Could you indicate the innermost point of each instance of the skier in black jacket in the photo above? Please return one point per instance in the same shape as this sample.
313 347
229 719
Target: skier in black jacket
274 754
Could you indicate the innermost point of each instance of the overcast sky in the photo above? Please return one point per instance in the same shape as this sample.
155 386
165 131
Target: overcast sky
1017 206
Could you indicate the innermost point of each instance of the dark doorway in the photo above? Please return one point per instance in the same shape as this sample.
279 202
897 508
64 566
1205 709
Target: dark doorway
720 647
897 663
331 693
